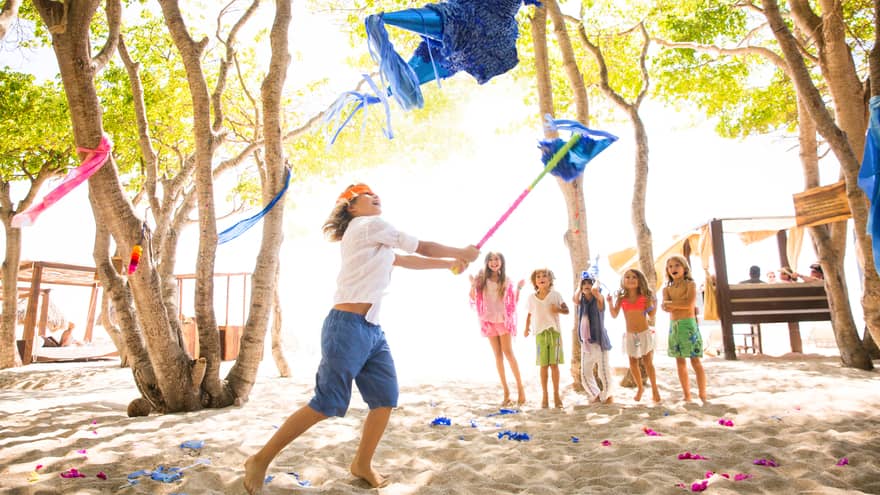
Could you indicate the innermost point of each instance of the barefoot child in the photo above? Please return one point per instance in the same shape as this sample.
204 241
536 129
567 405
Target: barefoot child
638 304
353 345
595 344
545 306
680 299
495 299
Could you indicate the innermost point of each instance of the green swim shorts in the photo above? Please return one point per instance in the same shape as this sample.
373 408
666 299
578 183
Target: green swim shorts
685 340
548 344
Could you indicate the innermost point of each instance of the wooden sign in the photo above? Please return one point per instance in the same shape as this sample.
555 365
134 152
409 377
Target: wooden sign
821 205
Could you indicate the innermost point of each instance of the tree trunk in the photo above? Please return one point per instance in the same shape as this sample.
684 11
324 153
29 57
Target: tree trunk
242 375
576 238
10 292
277 340
830 253
852 353
78 69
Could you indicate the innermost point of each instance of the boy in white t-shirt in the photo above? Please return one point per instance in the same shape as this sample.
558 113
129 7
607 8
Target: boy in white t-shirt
353 345
545 306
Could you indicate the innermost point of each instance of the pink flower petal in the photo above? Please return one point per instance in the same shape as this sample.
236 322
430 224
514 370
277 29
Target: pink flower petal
81 451
72 473
842 462
688 455
606 443
101 475
39 466
700 486
741 476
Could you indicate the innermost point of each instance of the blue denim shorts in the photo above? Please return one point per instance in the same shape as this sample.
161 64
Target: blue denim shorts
353 349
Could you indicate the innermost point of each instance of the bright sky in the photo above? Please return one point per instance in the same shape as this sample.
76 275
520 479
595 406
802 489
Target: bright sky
694 176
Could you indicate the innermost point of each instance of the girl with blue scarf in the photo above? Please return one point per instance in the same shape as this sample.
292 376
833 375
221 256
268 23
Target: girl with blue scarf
595 343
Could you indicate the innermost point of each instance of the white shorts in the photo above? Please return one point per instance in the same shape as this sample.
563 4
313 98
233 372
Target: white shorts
638 344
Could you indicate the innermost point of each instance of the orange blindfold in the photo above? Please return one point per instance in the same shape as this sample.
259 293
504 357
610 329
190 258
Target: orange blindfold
355 191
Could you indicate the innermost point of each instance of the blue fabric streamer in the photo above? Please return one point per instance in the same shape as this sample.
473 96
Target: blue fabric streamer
868 175
393 71
572 165
242 226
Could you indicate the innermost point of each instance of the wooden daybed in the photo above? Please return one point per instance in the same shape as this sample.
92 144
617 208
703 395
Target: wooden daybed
39 274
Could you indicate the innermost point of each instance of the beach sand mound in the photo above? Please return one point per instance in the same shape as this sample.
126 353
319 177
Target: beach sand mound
805 415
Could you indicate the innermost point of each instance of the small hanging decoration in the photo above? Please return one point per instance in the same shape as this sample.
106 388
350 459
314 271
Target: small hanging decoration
137 251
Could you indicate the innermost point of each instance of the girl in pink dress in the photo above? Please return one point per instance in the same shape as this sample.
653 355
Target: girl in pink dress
494 298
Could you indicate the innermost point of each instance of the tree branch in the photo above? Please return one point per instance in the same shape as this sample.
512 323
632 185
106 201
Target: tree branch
8 13
114 21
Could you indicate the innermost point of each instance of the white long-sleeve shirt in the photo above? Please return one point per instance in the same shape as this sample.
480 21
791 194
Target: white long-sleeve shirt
367 249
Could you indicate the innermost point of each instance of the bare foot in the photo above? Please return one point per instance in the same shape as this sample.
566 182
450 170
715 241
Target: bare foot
520 397
506 402
638 396
254 474
369 475
688 398
609 400
557 403
545 404
656 397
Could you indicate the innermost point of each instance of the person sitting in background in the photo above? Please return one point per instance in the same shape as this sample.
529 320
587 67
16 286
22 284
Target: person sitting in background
67 336
786 275
816 274
771 277
754 276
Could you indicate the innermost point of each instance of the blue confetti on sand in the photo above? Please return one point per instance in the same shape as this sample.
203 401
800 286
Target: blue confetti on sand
193 444
512 435
575 439
474 424
442 421
502 412
268 479
299 480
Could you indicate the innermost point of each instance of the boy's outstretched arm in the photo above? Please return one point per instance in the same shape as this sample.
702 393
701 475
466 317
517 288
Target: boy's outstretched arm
423 263
437 250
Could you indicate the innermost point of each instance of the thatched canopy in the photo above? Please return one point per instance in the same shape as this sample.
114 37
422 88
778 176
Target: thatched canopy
56 317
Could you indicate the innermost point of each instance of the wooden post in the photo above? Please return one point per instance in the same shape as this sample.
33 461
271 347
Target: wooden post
794 328
30 318
794 336
90 318
44 312
722 286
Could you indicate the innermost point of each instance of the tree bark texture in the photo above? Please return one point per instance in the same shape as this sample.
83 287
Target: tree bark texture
242 375
852 353
576 238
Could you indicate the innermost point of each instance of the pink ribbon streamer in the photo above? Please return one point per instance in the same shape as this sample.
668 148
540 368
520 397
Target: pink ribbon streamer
94 160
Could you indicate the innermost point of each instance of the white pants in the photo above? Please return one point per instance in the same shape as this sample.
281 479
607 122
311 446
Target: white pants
592 354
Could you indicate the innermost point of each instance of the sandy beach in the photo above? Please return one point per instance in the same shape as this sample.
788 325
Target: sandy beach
803 413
